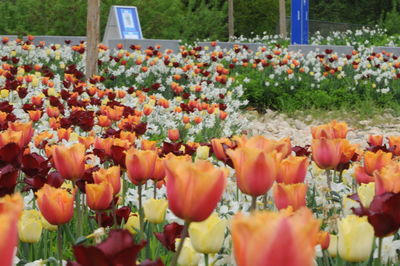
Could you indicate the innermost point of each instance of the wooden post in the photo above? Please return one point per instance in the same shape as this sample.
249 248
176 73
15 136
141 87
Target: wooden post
231 30
93 36
282 19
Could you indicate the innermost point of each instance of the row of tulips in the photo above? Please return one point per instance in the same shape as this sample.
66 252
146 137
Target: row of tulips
298 211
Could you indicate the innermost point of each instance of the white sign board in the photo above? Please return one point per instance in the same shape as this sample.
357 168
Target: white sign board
123 23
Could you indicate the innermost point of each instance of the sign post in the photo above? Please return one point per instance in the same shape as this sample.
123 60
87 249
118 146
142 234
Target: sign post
299 21
123 23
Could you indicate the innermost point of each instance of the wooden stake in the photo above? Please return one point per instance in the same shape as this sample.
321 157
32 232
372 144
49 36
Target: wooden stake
282 19
231 30
93 36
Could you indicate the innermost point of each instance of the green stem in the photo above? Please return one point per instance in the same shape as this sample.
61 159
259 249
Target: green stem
178 251
59 244
79 213
141 218
253 206
380 250
206 258
328 178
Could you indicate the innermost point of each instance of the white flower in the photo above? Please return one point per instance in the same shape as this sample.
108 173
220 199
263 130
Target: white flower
389 250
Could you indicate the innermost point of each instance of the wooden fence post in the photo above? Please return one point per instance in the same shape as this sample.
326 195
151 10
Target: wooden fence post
92 37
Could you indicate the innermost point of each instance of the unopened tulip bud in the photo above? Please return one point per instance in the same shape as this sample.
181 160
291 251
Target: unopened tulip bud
155 209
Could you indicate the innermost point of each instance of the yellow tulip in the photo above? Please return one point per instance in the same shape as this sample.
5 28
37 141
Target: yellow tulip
333 242
188 256
366 193
155 209
133 224
30 226
4 93
208 236
202 152
355 238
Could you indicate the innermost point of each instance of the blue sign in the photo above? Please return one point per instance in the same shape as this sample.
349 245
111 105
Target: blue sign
299 21
128 22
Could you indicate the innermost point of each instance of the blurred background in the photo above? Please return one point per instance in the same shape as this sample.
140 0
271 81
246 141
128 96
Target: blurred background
189 20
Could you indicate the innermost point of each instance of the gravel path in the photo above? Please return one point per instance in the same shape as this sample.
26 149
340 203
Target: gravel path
276 125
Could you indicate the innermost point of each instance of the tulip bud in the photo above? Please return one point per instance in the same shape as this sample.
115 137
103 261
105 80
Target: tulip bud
154 210
188 256
202 152
200 234
133 224
30 226
355 238
173 134
333 243
366 193
99 196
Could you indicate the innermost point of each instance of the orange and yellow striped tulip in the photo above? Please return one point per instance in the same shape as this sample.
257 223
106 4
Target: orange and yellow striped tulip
193 189
55 204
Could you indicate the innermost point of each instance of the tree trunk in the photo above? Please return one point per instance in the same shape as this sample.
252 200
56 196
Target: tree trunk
282 19
92 35
231 30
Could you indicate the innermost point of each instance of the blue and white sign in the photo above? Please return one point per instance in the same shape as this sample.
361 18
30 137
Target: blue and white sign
128 22
299 21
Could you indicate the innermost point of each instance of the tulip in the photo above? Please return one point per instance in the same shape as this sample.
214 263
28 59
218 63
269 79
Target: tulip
355 238
388 179
366 193
188 257
290 195
140 165
159 170
46 225
99 196
375 140
202 152
133 224
394 144
332 130
30 226
200 234
292 170
324 239
376 161
155 209
35 115
282 146
193 189
148 144
26 129
348 151
283 238
326 153
55 204
110 175
173 134
70 161
10 136
256 170
333 245
361 175
10 210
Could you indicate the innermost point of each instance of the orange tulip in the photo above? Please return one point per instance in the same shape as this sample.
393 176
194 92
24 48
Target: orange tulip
256 170
110 175
193 189
10 136
332 130
268 238
283 146
159 170
326 153
104 144
140 165
376 161
348 151
104 121
70 161
290 195
375 140
148 144
292 170
394 144
173 134
324 239
218 147
55 204
10 210
361 176
35 115
25 128
388 179
99 196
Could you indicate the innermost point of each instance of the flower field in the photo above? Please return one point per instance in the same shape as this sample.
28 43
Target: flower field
150 163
